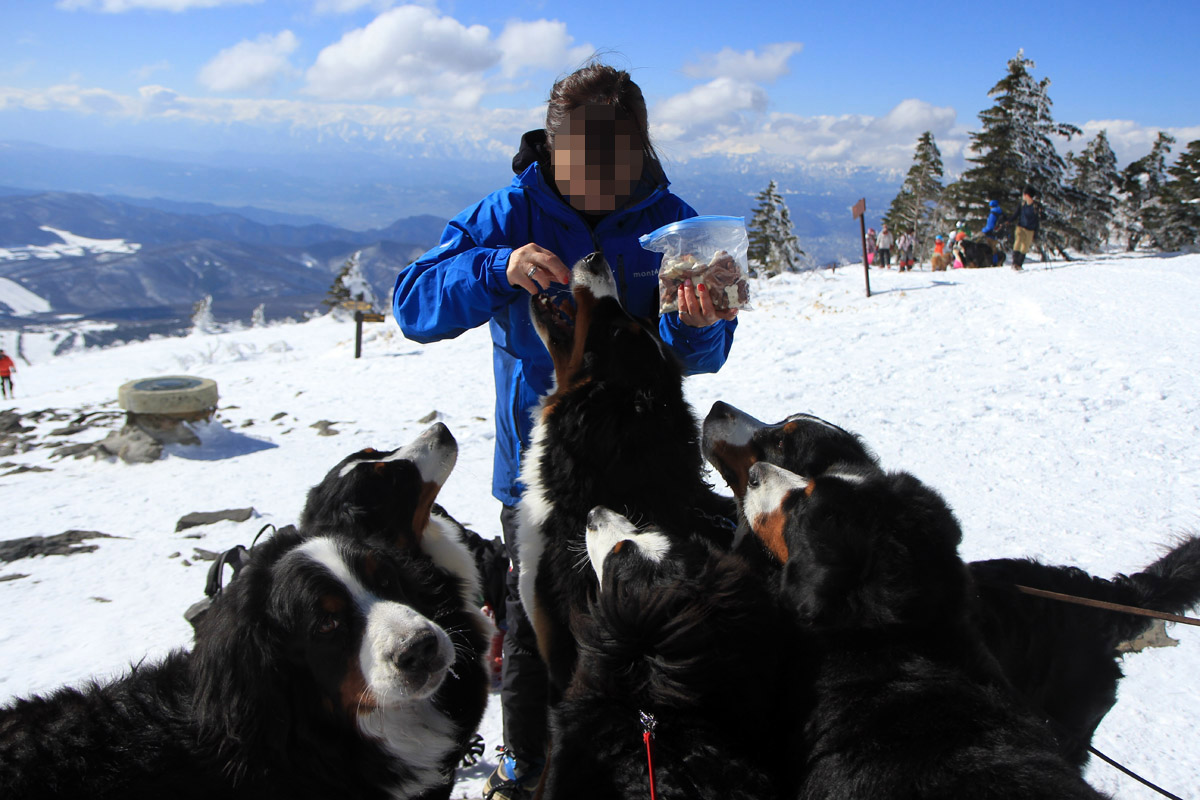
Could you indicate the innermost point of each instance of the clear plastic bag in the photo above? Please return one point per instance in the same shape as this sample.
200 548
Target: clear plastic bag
708 249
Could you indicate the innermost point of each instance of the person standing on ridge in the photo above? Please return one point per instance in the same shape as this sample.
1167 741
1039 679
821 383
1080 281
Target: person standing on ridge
1027 221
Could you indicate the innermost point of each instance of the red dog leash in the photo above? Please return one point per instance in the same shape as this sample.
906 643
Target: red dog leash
648 725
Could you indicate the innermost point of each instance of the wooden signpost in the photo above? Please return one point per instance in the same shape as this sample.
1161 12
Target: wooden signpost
362 313
860 210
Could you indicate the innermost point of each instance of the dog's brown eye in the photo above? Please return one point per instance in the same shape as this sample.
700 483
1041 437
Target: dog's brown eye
328 624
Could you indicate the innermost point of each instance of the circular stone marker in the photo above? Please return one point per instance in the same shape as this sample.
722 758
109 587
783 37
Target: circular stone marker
168 395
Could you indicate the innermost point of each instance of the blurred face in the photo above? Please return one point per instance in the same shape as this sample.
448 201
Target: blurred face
597 158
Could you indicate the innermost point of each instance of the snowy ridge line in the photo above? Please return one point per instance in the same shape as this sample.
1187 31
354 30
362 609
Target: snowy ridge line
72 246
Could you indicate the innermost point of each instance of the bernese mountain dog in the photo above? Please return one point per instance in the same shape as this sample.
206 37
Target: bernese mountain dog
615 430
684 647
907 700
1063 659
337 663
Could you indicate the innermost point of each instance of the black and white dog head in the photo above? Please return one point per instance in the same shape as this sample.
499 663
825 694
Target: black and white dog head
682 636
802 443
602 342
384 497
861 549
318 634
675 620
362 627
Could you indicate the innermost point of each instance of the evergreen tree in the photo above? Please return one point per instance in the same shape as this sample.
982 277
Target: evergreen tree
1142 183
1095 177
258 318
915 205
1180 198
350 284
1015 148
773 247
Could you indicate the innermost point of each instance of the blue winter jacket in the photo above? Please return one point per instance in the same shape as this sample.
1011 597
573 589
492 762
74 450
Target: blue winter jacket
995 214
461 284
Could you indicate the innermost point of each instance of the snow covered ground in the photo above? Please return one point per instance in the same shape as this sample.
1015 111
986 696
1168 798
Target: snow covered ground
1057 410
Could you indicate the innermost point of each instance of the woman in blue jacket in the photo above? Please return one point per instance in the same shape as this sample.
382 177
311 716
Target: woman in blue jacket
521 241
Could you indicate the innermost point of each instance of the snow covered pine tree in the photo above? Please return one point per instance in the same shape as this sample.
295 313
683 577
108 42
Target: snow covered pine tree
1015 148
914 207
1095 177
773 248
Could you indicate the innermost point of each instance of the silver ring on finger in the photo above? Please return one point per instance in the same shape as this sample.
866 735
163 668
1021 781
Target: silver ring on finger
532 271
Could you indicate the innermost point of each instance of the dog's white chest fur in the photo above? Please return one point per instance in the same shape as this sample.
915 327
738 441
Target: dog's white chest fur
417 735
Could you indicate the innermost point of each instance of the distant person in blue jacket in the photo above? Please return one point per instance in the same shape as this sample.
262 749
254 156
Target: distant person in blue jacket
521 241
990 233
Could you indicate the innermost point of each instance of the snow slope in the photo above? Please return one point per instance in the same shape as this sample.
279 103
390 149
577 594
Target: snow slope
19 300
1057 410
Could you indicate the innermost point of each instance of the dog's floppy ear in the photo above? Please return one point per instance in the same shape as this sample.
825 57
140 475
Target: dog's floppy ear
238 691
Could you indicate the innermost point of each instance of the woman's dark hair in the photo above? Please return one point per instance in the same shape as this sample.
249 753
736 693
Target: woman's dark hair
597 83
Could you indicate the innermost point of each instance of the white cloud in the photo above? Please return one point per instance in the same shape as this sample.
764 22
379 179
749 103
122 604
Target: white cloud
721 118
846 140
159 100
68 97
144 72
474 134
916 116
698 111
413 51
250 65
1130 140
407 51
767 66
121 6
540 44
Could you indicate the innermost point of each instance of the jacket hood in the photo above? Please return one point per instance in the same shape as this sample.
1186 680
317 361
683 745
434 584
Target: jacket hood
533 148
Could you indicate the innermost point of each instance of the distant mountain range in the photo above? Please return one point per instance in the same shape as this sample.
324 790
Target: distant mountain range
278 229
357 191
59 246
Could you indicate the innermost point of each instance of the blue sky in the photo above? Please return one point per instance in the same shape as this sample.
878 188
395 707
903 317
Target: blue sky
814 82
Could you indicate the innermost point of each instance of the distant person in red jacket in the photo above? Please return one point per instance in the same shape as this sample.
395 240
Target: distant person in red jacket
7 368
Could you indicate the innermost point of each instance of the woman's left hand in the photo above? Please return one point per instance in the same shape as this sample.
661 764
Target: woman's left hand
696 307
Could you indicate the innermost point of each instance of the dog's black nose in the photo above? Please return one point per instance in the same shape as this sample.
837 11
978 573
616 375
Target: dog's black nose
418 652
720 410
594 263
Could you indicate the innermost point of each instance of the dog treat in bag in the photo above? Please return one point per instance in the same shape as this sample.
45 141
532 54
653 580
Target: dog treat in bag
709 250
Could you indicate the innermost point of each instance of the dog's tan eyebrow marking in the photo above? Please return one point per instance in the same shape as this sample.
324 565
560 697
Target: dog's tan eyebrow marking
332 603
617 547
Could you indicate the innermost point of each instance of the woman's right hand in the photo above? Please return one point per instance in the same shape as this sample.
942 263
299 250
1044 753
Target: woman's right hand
534 268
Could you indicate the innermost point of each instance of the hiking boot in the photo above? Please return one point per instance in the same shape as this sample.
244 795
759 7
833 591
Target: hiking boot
512 779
